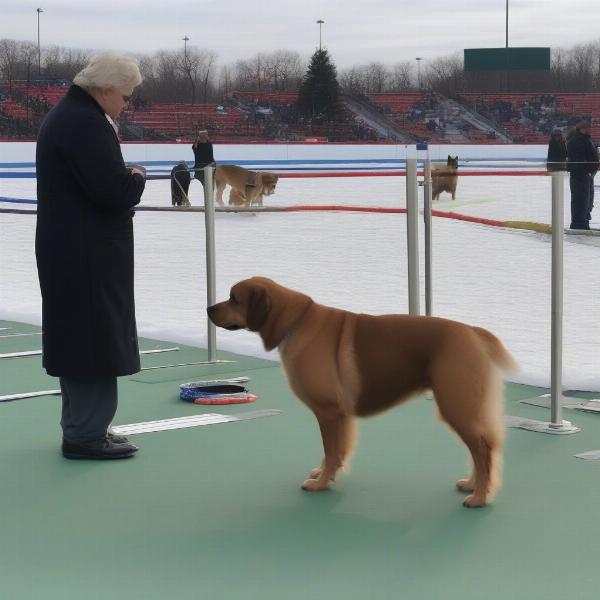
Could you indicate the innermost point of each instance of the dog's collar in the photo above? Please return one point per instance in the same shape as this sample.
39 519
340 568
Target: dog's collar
285 340
290 331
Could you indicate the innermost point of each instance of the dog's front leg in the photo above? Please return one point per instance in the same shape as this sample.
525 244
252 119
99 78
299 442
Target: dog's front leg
219 194
337 432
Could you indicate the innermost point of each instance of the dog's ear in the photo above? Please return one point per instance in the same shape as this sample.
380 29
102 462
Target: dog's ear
259 305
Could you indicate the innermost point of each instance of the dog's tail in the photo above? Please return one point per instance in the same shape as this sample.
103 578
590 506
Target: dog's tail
496 350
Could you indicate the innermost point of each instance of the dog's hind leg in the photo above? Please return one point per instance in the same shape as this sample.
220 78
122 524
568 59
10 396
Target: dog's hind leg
474 412
338 432
486 453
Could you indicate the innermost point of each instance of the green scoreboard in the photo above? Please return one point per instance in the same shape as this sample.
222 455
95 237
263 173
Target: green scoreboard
507 59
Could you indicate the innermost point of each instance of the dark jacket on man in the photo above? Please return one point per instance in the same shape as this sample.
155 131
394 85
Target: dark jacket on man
203 155
84 242
557 153
582 155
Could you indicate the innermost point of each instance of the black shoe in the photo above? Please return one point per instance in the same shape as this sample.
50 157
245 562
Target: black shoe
101 449
117 439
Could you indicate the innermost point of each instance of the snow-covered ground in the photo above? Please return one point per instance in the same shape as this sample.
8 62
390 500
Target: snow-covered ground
496 278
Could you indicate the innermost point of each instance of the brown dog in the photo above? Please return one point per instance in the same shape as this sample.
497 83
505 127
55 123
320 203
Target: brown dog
344 365
247 187
444 178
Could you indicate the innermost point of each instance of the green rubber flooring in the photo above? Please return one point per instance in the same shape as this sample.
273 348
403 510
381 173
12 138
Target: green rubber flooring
217 511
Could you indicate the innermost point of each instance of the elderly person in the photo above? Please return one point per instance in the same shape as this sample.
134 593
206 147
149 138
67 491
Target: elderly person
582 164
84 251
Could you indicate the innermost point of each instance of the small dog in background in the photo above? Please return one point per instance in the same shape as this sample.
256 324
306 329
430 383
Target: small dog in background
247 187
444 178
180 184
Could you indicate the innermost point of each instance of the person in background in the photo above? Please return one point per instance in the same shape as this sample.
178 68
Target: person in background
84 251
582 164
557 152
203 154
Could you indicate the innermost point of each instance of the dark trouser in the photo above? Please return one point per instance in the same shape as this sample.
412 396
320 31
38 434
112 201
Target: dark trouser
581 200
591 196
199 172
89 405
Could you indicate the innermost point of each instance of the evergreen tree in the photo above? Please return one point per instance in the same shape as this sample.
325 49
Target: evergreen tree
320 91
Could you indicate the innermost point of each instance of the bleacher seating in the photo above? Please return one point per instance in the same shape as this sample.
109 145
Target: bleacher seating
567 107
51 94
528 117
185 119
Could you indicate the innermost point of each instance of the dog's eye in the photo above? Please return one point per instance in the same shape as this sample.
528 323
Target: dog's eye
232 299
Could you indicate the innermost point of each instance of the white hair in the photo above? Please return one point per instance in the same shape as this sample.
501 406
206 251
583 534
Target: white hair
109 70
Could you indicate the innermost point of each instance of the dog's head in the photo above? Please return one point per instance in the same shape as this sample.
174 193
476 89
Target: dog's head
452 162
259 304
269 183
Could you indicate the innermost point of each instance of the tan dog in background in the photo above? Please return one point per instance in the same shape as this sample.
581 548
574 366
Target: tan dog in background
444 178
344 365
247 187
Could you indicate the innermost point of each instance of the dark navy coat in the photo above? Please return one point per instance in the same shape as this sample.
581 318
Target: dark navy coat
84 242
582 155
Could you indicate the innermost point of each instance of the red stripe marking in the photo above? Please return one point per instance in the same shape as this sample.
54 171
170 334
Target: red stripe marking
311 174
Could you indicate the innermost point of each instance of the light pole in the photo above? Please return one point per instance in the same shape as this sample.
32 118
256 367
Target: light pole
320 22
507 58
39 10
186 39
507 23
418 59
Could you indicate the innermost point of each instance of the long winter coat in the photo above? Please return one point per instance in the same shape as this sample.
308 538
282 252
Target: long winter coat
582 155
557 154
84 242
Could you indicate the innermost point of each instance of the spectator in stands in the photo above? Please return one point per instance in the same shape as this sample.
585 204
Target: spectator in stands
84 250
557 152
582 164
203 154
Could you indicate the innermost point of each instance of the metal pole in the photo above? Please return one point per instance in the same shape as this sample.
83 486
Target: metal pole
507 23
412 235
427 219
211 291
39 10
557 298
186 39
320 22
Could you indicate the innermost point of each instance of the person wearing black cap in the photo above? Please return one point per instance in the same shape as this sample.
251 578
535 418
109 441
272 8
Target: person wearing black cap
582 164
557 152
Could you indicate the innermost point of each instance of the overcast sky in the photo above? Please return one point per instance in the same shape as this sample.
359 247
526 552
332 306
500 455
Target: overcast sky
355 31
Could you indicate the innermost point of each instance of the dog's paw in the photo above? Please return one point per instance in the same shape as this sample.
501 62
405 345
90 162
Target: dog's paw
313 485
315 473
473 502
465 485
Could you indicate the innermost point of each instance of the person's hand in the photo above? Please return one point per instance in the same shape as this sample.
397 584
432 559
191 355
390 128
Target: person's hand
137 169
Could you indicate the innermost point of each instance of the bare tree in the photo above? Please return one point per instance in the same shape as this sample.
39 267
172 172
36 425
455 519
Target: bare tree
16 60
400 78
9 53
445 75
377 77
64 63
283 70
